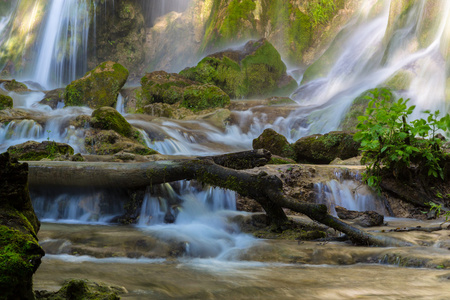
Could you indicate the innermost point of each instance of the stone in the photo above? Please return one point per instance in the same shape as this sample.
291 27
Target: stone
363 219
53 98
274 142
254 70
5 102
98 87
323 149
33 151
107 118
15 86
20 253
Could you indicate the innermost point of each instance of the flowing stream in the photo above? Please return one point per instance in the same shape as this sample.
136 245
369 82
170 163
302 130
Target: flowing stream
204 254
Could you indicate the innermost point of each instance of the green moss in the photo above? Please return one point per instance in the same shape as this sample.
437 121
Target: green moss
107 118
199 97
238 12
15 86
34 151
17 254
401 80
274 142
5 102
99 87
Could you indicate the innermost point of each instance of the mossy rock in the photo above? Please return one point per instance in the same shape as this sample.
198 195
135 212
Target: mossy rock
5 102
255 70
99 87
274 142
323 149
53 97
80 289
109 142
20 253
15 86
358 108
33 151
107 118
399 81
163 87
200 97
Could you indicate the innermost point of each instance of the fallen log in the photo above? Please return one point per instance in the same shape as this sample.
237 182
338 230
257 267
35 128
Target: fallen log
266 189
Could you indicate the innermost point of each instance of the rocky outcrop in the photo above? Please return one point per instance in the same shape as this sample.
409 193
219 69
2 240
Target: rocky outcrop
20 253
255 70
274 142
119 36
99 87
323 149
5 102
32 150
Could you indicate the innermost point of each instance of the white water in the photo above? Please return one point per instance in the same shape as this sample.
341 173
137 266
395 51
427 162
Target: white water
61 57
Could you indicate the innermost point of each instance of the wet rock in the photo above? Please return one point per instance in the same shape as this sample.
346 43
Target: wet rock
120 36
79 289
32 150
53 98
124 156
20 253
274 142
98 87
107 118
15 86
105 142
201 97
5 102
163 87
364 219
323 149
254 70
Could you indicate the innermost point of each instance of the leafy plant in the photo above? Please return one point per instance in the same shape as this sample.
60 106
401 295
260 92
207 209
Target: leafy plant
390 142
439 212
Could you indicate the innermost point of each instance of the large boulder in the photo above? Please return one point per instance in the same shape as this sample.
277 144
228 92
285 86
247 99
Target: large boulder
172 88
15 86
323 149
32 150
254 70
274 142
99 87
5 102
20 253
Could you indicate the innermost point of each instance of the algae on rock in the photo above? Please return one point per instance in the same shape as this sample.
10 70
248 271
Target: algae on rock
99 87
5 102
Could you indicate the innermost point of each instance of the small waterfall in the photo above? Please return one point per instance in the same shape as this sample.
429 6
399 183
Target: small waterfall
61 57
120 105
350 194
17 132
80 206
201 225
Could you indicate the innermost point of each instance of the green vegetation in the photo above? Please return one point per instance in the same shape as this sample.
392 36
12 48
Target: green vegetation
107 118
390 143
438 209
5 102
321 11
18 256
238 11
99 87
200 97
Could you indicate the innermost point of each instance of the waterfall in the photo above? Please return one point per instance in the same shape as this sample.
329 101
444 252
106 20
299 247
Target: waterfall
62 54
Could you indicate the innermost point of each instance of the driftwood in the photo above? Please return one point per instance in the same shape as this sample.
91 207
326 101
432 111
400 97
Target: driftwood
266 189
418 228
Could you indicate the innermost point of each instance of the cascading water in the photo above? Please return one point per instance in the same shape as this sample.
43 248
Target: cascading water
61 57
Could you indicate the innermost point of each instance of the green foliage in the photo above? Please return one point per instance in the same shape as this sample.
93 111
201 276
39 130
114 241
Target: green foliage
5 102
390 142
237 12
321 11
438 209
199 97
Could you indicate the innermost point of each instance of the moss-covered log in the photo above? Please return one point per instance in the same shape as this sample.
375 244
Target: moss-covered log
265 189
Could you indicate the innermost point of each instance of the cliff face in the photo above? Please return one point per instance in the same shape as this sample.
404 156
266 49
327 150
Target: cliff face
20 253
